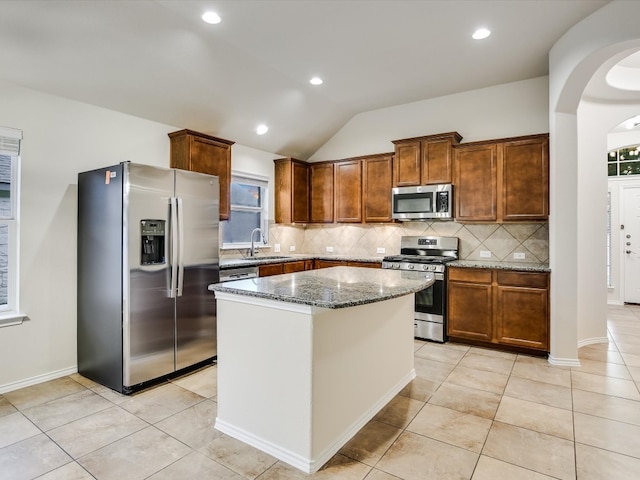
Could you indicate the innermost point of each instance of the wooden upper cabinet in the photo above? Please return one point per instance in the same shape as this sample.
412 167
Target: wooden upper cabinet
198 152
424 160
348 191
475 181
525 179
406 166
291 191
377 175
504 180
321 192
436 161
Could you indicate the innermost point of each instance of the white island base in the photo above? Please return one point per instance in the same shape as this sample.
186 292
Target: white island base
298 381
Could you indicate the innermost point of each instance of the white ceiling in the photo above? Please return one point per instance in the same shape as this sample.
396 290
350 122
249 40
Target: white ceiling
158 60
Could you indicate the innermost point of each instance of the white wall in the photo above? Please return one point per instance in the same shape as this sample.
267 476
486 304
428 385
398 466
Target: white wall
508 110
62 138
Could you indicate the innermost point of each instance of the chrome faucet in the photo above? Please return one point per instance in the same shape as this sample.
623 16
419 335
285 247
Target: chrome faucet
252 251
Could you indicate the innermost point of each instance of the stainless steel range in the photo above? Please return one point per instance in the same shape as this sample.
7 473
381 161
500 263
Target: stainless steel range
427 254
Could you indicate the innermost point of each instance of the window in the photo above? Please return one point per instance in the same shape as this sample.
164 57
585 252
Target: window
624 161
9 225
249 210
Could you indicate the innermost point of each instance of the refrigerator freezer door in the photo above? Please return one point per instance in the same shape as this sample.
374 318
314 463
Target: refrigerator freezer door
199 203
148 310
100 275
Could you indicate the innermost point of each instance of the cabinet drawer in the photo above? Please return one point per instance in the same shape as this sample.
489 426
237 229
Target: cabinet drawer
270 269
523 279
475 275
290 267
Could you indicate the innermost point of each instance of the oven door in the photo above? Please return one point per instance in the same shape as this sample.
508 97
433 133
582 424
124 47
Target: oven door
430 301
429 311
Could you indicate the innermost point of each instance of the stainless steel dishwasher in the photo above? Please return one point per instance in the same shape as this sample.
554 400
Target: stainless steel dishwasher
238 273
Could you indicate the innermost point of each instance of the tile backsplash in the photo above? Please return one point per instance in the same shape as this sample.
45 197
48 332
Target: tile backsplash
502 240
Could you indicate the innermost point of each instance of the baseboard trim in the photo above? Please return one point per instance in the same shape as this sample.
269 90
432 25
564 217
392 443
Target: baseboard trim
304 464
27 382
592 341
564 362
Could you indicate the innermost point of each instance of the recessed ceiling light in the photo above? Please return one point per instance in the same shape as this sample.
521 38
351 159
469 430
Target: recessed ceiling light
211 17
481 34
315 81
262 129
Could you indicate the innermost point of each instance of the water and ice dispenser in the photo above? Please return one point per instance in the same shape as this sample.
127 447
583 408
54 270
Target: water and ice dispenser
152 237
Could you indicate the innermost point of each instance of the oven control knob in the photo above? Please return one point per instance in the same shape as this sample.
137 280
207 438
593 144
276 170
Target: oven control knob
410 267
432 267
396 265
425 267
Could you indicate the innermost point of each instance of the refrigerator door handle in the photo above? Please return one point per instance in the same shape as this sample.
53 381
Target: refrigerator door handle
180 246
173 227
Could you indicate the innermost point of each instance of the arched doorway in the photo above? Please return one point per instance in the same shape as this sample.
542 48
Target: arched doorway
577 189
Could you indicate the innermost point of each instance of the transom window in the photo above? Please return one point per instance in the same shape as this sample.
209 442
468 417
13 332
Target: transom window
624 161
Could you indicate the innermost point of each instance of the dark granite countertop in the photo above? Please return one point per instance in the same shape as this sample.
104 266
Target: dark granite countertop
518 266
335 287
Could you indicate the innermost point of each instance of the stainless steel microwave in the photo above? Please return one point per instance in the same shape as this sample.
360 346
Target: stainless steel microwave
423 202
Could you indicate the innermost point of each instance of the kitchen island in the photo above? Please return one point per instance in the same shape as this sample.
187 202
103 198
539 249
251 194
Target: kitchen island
307 359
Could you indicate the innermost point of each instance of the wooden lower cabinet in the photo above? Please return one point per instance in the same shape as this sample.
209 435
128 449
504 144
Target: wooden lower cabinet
270 269
284 267
470 304
501 307
365 264
319 263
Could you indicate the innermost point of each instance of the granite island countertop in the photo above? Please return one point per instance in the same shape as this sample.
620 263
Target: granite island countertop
498 265
335 287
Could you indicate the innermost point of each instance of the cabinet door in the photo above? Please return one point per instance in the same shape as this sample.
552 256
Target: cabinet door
525 179
436 161
348 191
300 193
522 317
205 154
270 269
470 304
406 164
377 181
475 183
291 191
321 192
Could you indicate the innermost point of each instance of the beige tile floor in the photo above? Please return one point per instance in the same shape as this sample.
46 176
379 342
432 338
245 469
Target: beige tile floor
470 414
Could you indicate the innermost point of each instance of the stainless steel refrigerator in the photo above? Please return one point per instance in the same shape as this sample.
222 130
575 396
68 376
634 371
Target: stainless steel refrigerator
147 250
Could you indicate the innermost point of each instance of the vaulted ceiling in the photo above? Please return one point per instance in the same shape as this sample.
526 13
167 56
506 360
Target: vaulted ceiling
158 60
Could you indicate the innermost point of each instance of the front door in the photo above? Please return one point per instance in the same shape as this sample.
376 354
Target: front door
631 244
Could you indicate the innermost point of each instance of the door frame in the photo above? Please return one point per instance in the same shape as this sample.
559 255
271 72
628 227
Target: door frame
617 236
